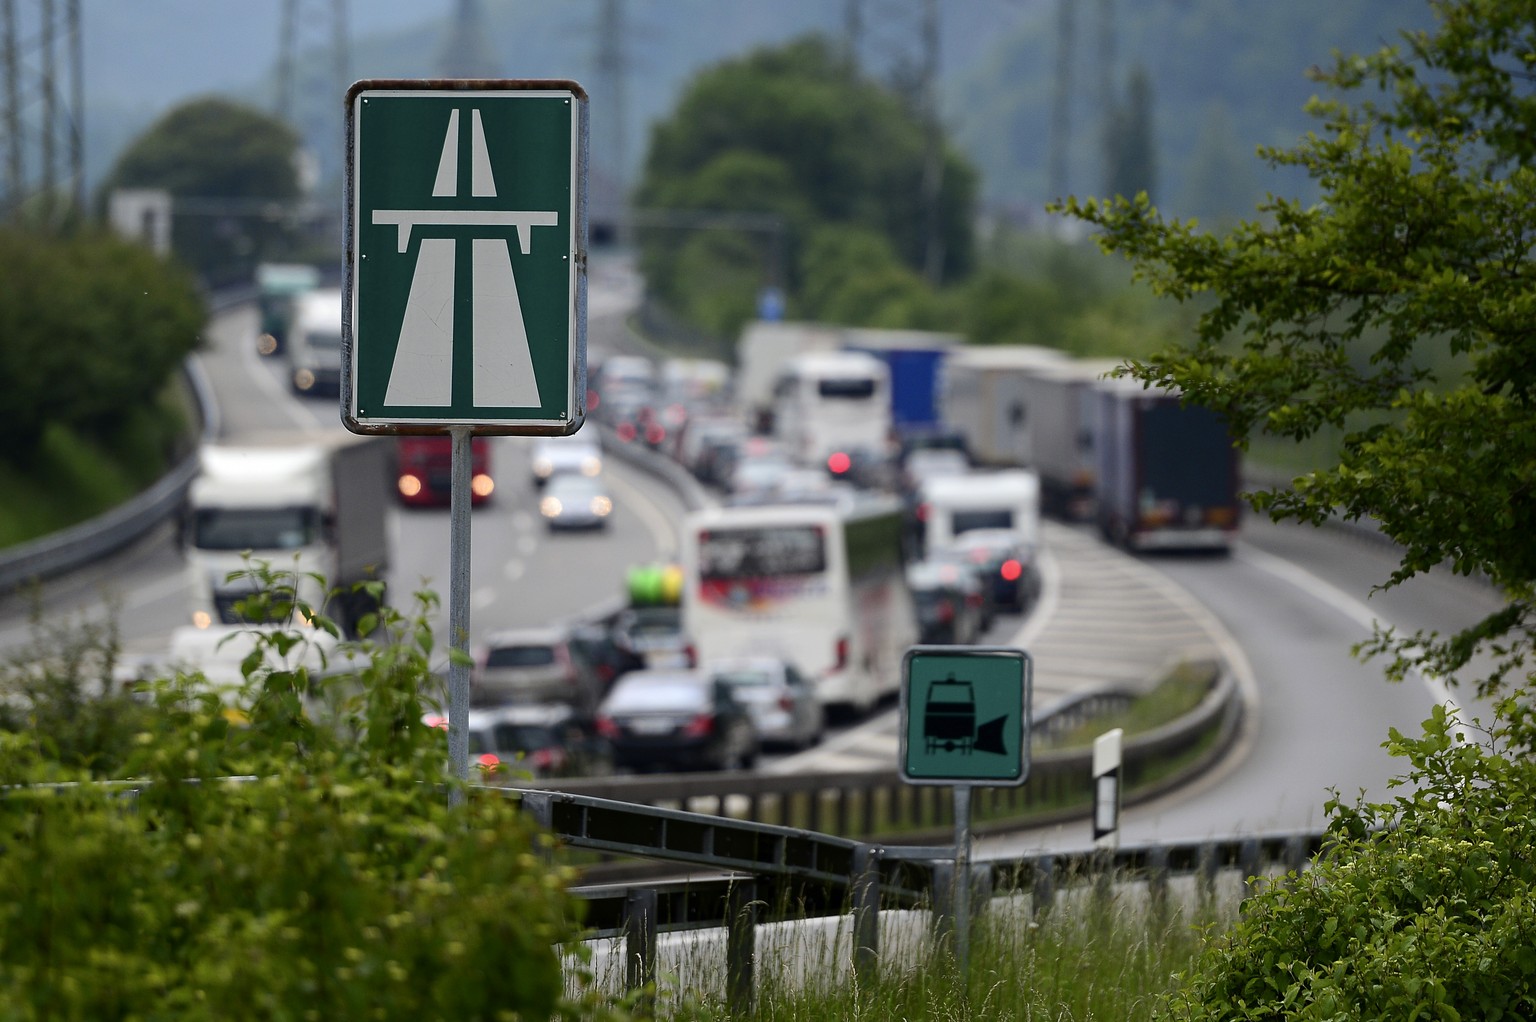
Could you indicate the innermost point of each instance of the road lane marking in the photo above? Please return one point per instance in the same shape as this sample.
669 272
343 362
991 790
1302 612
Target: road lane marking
1350 606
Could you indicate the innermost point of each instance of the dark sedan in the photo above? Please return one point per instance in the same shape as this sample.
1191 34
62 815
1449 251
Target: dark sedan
676 720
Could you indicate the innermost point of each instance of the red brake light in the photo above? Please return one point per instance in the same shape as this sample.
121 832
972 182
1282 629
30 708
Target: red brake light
946 612
655 433
626 431
839 463
786 704
1011 570
698 727
607 728
842 652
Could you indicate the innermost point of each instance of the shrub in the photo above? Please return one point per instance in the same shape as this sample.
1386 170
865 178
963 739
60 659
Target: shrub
264 863
1424 909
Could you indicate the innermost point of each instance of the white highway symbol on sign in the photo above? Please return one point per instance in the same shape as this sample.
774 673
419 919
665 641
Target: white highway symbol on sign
422 373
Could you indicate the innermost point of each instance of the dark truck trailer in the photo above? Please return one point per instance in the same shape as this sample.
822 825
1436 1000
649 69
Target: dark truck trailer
1167 472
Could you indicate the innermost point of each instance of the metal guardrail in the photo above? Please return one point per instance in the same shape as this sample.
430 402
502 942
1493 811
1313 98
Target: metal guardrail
779 874
859 805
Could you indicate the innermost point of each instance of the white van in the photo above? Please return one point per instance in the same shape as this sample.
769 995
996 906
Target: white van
952 504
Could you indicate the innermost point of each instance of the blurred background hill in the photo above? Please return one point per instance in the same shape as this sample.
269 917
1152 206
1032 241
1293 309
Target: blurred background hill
1027 89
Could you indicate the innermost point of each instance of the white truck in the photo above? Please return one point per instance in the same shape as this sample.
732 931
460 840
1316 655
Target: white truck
762 351
1060 403
981 397
314 343
1007 499
309 503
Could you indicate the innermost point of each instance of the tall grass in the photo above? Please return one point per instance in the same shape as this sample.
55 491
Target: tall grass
1100 953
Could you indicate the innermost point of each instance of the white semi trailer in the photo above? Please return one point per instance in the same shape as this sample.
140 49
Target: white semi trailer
981 397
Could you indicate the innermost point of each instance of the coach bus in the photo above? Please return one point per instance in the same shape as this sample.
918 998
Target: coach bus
820 585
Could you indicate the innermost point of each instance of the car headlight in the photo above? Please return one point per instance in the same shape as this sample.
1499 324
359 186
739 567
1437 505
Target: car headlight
549 507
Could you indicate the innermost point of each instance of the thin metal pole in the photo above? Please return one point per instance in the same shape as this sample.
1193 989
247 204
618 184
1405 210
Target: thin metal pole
458 607
962 875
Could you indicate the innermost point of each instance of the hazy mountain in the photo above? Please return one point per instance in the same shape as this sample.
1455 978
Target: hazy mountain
1225 74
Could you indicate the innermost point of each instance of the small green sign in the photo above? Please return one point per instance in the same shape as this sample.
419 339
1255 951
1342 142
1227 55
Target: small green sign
965 715
466 257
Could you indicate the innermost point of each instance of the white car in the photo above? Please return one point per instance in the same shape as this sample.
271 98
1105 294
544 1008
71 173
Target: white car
781 701
560 455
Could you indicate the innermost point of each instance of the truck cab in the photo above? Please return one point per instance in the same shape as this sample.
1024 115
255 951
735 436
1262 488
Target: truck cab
314 343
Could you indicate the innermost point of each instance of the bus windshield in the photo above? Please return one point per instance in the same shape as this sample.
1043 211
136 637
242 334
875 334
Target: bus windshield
726 554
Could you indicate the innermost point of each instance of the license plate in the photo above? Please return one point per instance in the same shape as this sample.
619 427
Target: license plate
651 727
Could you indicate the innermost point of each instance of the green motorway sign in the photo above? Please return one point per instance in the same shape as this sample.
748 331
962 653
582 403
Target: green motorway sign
965 715
466 257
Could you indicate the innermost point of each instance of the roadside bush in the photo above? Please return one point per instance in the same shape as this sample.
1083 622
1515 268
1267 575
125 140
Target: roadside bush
265 862
1424 909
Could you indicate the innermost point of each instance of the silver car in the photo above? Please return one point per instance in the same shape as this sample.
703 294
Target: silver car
783 703
534 665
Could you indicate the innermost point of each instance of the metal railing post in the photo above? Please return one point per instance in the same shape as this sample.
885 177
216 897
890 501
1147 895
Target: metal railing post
640 944
741 944
866 913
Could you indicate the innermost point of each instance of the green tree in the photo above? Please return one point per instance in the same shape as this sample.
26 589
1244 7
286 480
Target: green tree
1221 181
1130 156
222 159
1397 310
794 132
94 327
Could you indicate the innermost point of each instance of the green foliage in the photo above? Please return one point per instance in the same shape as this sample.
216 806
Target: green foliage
793 132
93 327
292 853
1424 908
220 157
1396 312
71 477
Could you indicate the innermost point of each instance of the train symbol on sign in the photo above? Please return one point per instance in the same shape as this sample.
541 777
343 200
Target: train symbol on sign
949 721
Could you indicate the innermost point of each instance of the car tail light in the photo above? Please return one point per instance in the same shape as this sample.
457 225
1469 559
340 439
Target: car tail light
786 703
655 433
626 431
839 463
842 652
700 726
542 759
1011 570
691 655
607 727
946 612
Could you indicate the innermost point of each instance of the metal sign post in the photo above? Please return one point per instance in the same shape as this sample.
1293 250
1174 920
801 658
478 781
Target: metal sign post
965 720
465 283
